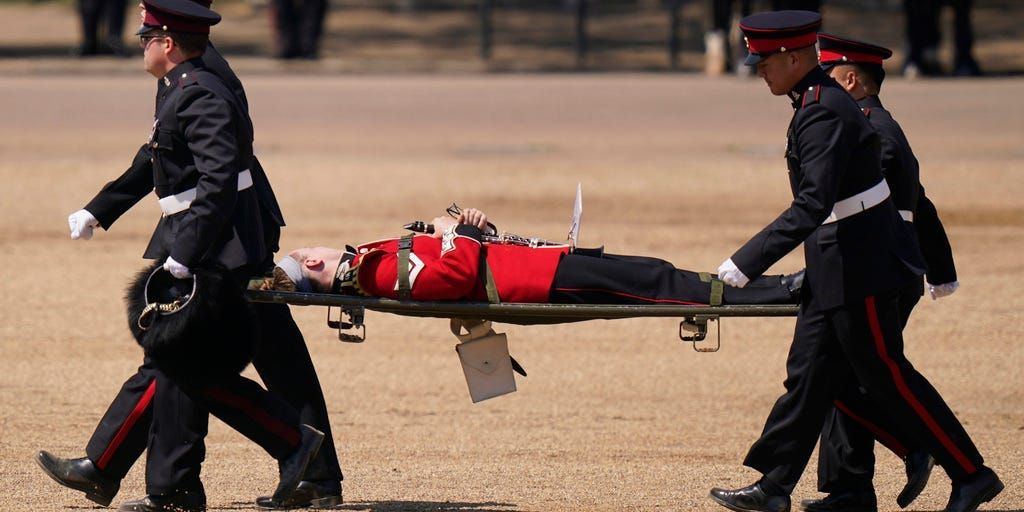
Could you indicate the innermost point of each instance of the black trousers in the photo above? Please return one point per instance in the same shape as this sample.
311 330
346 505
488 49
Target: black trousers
176 447
846 454
922 22
299 24
109 13
618 279
860 342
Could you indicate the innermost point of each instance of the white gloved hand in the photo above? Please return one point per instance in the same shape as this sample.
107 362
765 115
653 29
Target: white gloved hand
939 291
176 269
82 223
731 275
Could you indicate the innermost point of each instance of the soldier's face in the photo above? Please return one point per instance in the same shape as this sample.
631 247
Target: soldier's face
154 55
780 71
319 264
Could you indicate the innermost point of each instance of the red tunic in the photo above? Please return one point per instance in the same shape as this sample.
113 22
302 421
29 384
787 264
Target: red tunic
449 269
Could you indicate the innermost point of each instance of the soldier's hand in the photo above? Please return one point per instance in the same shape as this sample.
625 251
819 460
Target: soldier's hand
82 223
939 291
474 217
177 269
731 275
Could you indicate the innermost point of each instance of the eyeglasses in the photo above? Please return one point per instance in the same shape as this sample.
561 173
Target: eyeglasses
144 40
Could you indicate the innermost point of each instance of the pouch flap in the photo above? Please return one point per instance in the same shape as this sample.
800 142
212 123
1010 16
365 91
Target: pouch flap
486 354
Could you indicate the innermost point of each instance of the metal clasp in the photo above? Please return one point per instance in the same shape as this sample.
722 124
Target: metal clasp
697 325
355 321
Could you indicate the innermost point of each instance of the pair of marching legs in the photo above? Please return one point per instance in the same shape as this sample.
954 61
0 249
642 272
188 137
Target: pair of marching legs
176 413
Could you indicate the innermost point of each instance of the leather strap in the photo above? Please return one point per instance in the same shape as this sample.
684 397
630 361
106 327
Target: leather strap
492 289
717 288
404 248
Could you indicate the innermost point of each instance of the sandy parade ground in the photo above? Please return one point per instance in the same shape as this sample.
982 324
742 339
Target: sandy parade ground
615 415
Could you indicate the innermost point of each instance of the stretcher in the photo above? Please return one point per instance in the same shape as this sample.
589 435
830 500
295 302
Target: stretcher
693 326
488 367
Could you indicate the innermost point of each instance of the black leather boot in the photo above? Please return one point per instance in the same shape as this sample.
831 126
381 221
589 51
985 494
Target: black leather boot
794 283
293 468
968 495
845 501
316 494
919 468
80 475
178 501
750 499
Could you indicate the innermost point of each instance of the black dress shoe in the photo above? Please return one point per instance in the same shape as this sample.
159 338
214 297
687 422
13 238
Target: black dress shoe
969 495
794 282
80 475
919 468
178 501
750 499
293 469
846 501
317 494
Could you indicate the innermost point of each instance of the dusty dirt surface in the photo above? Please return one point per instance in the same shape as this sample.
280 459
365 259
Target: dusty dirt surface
615 415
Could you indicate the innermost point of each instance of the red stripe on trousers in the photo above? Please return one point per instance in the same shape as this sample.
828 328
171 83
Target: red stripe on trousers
273 425
624 294
129 423
883 436
901 385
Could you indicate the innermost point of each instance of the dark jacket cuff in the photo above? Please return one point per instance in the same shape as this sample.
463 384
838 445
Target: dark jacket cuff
469 231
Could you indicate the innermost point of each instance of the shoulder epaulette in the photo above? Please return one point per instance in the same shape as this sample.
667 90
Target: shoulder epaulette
867 111
812 96
189 79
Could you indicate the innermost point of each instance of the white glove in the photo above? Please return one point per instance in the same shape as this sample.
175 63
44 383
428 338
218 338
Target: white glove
81 223
939 291
731 275
176 269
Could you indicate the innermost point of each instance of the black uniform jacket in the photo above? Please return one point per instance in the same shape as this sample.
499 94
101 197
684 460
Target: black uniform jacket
122 193
900 167
832 154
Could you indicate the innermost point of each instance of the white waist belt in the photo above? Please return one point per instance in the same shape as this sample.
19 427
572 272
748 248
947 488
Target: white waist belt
182 200
858 202
907 215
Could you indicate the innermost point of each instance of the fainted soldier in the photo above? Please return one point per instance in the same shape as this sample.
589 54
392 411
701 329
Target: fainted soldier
283 363
846 454
457 262
217 211
859 255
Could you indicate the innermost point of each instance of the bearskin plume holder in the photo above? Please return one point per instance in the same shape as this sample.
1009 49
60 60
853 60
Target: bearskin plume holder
200 327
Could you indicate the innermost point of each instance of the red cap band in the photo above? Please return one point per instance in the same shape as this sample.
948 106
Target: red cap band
769 45
171 23
830 56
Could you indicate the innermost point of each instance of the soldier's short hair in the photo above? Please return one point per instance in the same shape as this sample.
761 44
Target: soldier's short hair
190 43
872 76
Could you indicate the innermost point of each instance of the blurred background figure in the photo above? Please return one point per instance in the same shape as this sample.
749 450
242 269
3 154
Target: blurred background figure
102 25
923 37
298 25
718 51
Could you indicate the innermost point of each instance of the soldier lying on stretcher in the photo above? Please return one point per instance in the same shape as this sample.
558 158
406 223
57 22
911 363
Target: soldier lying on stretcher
454 263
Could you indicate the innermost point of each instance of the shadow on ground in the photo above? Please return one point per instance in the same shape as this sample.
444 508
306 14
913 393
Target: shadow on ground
411 506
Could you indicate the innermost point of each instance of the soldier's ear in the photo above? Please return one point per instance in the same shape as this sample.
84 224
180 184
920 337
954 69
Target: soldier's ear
316 264
850 79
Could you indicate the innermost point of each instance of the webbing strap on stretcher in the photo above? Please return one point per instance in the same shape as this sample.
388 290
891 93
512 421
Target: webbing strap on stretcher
405 285
404 248
717 288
